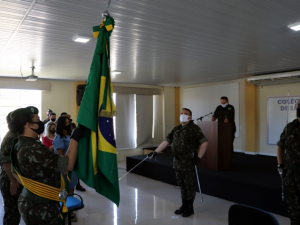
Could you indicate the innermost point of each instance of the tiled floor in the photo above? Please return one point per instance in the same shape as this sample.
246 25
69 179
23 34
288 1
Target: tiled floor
147 202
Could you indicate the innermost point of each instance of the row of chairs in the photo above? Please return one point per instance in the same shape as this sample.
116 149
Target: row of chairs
245 215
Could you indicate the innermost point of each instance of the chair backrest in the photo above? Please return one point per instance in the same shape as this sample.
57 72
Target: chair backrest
246 215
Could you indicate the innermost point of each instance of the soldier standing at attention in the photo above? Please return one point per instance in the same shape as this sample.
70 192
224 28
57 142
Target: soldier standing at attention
225 113
10 187
37 163
288 157
188 147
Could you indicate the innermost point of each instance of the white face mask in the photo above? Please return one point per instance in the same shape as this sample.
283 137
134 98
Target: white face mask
224 105
184 118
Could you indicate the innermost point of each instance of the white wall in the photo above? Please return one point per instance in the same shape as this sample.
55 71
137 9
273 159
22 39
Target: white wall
204 100
60 98
263 93
239 142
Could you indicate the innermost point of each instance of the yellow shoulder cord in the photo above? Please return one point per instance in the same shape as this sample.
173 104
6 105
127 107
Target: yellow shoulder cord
44 190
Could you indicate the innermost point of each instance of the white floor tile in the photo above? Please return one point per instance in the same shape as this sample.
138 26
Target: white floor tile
147 202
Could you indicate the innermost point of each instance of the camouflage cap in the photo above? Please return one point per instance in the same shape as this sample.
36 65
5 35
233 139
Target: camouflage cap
24 111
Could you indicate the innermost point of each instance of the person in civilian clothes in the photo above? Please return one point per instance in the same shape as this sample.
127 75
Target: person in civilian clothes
78 186
49 135
61 144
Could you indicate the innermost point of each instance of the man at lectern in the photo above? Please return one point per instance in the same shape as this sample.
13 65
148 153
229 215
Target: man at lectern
225 113
188 147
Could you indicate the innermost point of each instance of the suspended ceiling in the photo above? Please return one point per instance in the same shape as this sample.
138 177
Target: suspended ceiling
171 42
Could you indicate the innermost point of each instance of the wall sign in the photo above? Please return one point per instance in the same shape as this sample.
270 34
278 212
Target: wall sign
280 110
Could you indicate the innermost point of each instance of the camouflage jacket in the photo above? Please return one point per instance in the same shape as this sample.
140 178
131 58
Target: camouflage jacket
5 150
185 141
290 143
225 113
35 161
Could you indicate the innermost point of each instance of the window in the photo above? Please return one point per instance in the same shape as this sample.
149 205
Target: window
134 122
11 99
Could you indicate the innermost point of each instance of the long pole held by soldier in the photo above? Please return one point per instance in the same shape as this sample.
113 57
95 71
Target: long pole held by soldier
199 183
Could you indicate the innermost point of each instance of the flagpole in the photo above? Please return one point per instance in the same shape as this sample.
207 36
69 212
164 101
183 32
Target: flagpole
108 4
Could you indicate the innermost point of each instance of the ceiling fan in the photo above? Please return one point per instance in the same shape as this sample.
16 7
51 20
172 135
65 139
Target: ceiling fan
31 77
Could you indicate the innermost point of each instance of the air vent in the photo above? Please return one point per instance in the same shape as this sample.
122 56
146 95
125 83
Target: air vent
273 79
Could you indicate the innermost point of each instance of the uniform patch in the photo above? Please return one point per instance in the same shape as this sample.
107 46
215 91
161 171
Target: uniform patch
32 110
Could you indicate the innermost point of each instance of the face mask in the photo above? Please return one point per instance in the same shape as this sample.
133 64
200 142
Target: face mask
52 131
184 118
53 119
224 105
298 112
40 129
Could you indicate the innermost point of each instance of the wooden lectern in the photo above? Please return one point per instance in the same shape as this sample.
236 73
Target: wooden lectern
219 152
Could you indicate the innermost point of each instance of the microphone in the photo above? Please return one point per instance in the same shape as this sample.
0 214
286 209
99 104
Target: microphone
200 118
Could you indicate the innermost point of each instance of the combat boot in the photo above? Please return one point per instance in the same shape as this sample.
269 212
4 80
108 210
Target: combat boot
189 210
182 207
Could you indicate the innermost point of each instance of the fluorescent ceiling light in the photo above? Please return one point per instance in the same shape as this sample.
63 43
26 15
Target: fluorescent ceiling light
116 72
82 39
295 26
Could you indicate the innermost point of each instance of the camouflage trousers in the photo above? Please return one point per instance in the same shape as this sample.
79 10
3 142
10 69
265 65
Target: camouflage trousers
292 193
11 212
186 180
41 214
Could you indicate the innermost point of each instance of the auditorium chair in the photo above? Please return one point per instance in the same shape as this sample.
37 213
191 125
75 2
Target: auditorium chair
73 204
245 215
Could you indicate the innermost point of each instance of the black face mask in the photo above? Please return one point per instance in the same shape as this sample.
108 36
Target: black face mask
52 131
298 112
53 119
40 129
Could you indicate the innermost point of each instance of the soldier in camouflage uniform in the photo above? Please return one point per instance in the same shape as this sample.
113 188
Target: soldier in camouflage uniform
188 146
225 113
288 157
35 161
10 187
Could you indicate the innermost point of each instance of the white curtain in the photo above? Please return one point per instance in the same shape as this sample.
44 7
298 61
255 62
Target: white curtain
125 121
144 119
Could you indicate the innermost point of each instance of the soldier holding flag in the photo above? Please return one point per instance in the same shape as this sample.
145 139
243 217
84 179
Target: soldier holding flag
38 169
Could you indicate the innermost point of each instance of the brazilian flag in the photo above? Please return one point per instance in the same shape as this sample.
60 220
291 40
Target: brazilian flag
97 161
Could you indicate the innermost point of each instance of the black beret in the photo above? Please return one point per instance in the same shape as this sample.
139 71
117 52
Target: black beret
8 119
24 111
